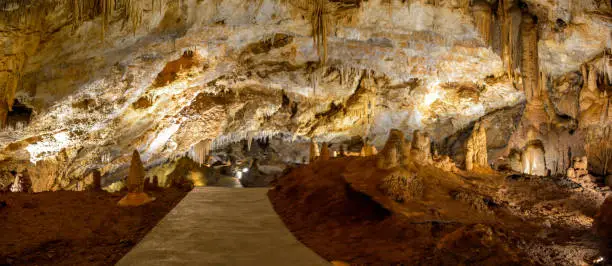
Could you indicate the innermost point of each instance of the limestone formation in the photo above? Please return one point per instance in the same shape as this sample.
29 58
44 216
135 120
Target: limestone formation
314 151
445 163
342 152
579 167
483 20
530 68
17 185
368 149
476 149
200 151
3 114
533 159
421 148
325 153
135 184
393 152
96 184
402 185
515 160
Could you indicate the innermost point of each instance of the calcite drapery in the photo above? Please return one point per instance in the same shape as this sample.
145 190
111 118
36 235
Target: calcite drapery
533 157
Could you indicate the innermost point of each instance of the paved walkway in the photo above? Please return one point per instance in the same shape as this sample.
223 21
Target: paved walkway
222 226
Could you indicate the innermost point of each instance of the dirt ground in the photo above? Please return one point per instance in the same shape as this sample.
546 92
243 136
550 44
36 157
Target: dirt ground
335 208
75 228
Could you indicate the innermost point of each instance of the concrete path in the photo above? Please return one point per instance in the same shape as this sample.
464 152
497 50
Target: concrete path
222 226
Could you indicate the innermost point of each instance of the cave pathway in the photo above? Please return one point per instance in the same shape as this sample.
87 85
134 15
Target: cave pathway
222 226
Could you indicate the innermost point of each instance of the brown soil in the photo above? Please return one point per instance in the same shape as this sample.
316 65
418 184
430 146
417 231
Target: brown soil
75 228
334 208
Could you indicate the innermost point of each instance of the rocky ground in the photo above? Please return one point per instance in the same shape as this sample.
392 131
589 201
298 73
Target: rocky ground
75 228
483 217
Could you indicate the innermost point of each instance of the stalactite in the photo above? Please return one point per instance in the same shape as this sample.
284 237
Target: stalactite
483 20
510 19
200 151
320 13
529 62
250 137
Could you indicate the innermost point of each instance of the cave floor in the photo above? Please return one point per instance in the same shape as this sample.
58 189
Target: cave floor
221 226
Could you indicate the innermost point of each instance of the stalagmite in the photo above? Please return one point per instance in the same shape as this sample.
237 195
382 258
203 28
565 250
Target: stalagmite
96 184
421 147
476 148
579 167
314 151
482 19
368 150
391 155
17 184
342 152
135 184
325 153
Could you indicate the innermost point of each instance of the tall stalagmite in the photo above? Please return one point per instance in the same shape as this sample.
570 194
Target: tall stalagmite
476 148
135 184
421 147
391 155
325 153
314 151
